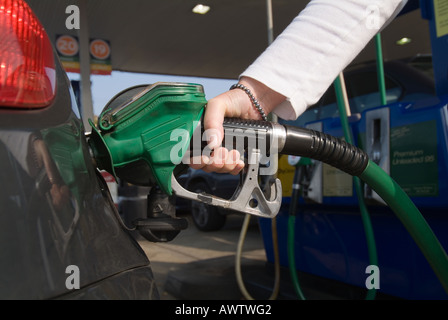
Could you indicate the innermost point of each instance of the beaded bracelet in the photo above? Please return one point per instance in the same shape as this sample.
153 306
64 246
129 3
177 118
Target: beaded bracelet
254 101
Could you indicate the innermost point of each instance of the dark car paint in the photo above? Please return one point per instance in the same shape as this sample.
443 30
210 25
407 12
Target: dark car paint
41 236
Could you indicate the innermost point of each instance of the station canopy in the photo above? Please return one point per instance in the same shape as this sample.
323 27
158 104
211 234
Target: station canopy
166 37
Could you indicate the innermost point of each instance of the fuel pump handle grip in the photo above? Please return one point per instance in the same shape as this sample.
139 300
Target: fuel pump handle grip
239 134
272 138
254 140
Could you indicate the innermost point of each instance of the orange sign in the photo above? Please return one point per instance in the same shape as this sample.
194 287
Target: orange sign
100 57
67 45
99 49
68 50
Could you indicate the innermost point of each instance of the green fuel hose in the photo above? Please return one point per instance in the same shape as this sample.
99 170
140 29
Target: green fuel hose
296 191
365 216
410 216
352 160
291 257
380 69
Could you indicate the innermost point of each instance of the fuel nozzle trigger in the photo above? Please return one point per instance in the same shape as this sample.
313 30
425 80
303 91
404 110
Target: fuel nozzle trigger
247 198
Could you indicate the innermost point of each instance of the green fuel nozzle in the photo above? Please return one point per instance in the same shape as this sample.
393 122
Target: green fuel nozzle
144 134
133 137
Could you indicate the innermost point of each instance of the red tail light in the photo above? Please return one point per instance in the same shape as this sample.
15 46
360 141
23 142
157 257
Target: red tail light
27 69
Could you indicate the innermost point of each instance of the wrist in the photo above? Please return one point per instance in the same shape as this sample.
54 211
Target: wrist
267 98
255 105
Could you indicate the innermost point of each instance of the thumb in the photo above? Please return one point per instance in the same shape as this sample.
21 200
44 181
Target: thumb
213 120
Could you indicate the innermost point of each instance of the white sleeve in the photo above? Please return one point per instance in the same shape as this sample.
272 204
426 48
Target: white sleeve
320 42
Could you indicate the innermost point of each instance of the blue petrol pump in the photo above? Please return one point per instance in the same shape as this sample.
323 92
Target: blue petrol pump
409 140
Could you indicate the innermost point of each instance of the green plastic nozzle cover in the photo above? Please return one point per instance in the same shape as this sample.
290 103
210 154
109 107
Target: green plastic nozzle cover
145 136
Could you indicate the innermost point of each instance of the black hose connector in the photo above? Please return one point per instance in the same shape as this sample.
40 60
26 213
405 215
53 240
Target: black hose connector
326 148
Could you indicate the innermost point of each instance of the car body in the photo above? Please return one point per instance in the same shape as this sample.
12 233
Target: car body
61 235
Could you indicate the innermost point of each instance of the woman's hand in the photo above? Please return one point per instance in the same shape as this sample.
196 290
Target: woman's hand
236 104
